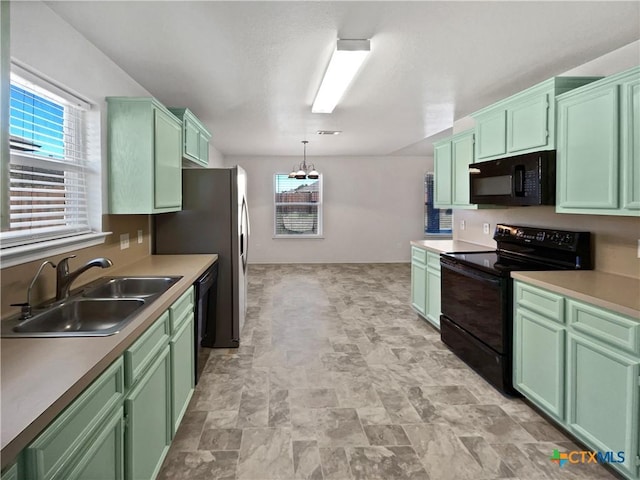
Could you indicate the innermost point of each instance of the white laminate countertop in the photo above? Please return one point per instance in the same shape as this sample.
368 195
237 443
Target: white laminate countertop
614 292
442 246
42 376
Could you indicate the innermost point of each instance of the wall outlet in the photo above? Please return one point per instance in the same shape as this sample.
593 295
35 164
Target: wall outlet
463 225
485 228
124 241
139 236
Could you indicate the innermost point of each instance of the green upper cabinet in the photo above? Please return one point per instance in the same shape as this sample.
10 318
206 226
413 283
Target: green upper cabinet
452 157
145 151
524 122
195 143
598 158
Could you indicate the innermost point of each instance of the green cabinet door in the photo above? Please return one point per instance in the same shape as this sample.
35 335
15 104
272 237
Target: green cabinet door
602 399
195 145
104 459
630 141
419 287
182 371
148 420
204 150
145 156
191 139
10 473
587 157
491 133
462 156
527 124
539 361
433 297
442 170
168 162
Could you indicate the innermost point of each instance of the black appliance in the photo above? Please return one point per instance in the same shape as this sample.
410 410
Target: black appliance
206 290
528 179
476 303
214 219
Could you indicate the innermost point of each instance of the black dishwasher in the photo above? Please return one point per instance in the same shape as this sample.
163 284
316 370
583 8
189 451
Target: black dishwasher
206 288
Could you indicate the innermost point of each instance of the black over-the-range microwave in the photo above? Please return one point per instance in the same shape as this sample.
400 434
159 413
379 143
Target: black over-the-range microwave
528 179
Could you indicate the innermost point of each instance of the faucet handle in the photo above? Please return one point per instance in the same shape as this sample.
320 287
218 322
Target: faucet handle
64 263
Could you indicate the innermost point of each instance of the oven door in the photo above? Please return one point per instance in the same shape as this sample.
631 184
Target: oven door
477 302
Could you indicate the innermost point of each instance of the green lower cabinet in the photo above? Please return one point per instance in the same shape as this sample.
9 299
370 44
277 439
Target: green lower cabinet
147 410
602 400
433 298
539 361
62 445
182 372
419 287
425 284
104 460
580 364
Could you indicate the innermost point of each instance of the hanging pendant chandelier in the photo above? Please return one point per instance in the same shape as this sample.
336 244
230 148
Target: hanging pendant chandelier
304 171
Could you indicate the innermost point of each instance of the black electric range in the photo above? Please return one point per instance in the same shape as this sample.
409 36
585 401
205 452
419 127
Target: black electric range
476 303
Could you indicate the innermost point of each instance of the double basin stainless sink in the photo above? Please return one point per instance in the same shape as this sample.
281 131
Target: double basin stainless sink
101 308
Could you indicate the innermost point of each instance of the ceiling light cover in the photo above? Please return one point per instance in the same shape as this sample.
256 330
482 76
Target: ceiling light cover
343 66
329 132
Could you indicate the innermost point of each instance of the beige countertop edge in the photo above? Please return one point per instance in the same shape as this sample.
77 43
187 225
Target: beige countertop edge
442 246
33 394
614 292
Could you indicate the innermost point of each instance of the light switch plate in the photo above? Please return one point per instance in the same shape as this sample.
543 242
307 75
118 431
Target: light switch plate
124 241
485 228
139 236
463 225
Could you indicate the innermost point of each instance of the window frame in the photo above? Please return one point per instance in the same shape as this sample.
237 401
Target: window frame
14 252
319 205
435 235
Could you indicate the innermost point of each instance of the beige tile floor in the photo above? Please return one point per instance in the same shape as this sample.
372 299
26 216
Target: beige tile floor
337 378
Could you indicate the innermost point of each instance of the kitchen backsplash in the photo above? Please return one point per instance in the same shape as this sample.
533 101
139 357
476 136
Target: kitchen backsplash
15 280
615 238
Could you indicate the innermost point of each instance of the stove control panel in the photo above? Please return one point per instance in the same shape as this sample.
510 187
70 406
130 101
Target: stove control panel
539 236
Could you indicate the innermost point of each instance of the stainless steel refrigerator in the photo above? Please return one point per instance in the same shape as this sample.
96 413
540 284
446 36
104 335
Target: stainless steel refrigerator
214 219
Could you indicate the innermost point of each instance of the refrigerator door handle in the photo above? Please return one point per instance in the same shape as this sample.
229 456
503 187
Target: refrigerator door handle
244 236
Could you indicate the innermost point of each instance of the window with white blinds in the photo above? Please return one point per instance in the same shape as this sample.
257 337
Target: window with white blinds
47 167
298 207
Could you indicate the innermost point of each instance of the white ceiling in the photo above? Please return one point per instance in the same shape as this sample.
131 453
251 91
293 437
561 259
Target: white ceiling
250 70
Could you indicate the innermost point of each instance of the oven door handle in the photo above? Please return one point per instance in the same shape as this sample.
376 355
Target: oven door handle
468 272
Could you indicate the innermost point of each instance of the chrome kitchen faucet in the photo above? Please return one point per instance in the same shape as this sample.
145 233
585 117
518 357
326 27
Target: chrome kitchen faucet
64 278
26 308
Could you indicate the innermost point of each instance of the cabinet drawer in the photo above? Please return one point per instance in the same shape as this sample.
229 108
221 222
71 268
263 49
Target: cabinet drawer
139 355
540 301
418 255
68 434
604 325
433 261
180 310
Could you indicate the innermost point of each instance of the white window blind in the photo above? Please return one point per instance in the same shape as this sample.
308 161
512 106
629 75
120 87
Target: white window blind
48 165
298 207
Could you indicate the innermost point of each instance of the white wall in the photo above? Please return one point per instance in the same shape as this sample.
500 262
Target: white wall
373 208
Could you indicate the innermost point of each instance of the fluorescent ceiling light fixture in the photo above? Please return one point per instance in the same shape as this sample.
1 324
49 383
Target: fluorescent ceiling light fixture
329 132
345 63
